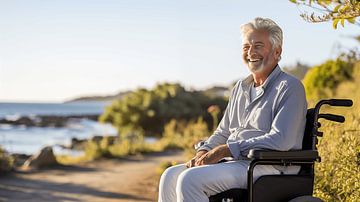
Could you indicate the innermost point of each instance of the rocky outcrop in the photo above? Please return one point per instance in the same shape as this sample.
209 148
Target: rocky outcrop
77 144
44 158
46 121
19 159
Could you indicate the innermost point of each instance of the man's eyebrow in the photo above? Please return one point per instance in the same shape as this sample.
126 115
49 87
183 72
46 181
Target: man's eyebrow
255 43
259 42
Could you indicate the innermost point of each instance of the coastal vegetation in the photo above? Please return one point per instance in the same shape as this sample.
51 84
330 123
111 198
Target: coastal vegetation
148 111
337 177
321 81
6 161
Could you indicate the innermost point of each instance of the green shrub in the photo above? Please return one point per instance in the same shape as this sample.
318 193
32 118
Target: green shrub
184 135
92 150
337 177
6 161
321 81
149 110
130 145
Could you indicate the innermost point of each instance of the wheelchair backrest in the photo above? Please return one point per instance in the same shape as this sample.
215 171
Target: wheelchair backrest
312 125
309 128
311 132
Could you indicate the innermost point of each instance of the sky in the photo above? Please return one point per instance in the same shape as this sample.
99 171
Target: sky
56 50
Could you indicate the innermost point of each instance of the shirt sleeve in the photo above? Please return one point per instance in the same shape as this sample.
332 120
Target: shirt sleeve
222 133
287 128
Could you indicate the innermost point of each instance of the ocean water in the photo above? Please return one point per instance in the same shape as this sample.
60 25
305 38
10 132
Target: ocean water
33 109
29 140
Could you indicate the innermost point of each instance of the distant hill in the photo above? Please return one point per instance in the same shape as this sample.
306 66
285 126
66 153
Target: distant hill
95 98
215 91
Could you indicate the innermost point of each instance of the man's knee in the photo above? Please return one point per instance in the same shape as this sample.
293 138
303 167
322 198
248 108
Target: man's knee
172 173
189 180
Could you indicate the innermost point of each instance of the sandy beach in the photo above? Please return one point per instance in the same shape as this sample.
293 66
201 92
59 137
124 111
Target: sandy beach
106 180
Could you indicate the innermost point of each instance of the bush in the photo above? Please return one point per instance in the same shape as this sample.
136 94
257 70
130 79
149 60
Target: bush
321 81
337 177
6 161
149 110
132 143
182 135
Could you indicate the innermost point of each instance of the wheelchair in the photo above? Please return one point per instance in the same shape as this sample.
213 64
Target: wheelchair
284 188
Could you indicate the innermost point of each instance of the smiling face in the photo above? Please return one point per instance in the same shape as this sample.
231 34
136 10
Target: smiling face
258 53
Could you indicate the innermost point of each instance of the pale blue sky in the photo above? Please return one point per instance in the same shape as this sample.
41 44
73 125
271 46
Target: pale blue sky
54 50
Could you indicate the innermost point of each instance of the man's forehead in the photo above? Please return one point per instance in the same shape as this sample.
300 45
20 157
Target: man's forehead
252 41
255 36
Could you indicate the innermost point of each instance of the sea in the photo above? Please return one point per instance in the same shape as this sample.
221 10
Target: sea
30 140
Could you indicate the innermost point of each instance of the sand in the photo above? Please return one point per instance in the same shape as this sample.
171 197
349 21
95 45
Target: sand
129 179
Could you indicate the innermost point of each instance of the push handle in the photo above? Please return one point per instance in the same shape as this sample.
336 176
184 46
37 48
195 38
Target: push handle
341 102
332 117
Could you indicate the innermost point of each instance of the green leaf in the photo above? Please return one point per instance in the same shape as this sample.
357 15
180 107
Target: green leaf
337 8
342 22
293 1
351 20
335 22
344 8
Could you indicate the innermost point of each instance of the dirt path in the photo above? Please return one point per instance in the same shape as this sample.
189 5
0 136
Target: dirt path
131 179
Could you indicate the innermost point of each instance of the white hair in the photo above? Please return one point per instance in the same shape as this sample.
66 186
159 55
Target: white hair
275 32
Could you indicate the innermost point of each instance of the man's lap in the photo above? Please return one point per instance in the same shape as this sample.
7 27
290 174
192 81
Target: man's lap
216 178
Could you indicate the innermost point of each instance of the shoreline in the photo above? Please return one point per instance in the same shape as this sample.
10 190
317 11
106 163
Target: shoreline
42 121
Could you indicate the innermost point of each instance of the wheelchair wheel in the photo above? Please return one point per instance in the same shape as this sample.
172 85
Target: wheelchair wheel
306 199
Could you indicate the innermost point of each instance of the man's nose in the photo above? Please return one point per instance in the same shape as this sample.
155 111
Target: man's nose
250 51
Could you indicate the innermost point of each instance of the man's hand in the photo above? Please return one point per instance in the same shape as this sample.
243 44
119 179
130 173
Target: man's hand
214 155
198 155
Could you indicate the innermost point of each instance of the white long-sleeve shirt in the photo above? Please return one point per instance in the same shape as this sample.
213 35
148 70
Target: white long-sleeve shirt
275 119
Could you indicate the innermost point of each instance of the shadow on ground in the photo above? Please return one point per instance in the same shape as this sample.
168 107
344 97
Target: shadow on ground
14 188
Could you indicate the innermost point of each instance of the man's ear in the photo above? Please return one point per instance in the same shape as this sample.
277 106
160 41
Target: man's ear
277 52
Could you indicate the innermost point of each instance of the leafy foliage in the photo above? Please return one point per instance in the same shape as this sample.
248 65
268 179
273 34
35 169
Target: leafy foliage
185 135
147 111
322 80
337 11
6 161
337 177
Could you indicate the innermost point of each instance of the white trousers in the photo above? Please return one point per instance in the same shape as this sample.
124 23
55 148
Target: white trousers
179 183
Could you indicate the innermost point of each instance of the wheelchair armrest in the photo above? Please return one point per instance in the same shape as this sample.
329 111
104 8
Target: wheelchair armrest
295 155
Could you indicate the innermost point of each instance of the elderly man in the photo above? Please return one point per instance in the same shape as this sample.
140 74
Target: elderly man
266 110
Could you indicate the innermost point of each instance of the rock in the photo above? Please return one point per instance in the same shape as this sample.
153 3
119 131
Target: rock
44 158
47 120
19 159
97 138
77 144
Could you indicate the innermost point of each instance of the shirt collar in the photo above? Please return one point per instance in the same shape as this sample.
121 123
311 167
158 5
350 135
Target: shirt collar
245 84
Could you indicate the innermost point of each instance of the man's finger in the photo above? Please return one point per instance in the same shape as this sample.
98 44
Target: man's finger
190 163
